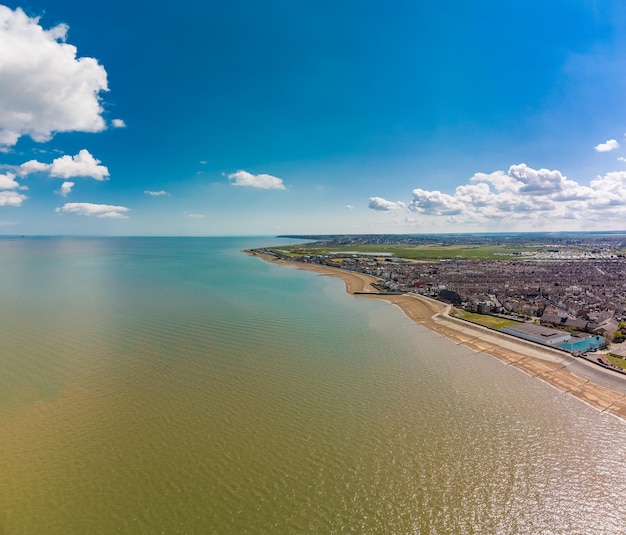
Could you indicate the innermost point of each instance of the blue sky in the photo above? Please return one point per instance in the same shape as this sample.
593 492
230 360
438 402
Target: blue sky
281 117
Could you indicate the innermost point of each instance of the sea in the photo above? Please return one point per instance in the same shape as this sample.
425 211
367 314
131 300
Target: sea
180 386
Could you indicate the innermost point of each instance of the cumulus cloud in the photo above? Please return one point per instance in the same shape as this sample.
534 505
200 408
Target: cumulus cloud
524 193
65 189
435 203
8 195
12 198
156 193
44 87
262 181
118 123
608 145
32 166
383 205
82 164
7 181
97 210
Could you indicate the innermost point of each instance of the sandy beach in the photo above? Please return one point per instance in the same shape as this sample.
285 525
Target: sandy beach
600 388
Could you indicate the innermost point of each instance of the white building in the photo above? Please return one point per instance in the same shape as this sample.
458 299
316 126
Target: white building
538 334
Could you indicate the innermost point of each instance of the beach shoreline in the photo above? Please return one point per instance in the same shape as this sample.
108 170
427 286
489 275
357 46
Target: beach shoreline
593 385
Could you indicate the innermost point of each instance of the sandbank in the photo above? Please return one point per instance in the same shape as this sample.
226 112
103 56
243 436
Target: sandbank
600 388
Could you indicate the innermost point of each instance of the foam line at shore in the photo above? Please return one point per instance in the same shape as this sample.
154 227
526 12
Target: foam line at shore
596 387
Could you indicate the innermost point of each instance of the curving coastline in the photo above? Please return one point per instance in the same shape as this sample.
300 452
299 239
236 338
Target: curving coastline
597 387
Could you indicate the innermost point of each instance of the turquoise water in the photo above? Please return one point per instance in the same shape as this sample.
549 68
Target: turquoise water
176 385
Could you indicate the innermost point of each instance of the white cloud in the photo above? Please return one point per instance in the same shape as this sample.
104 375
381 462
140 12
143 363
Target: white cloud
156 193
613 182
435 203
621 159
89 209
118 123
193 215
243 178
608 145
523 194
383 205
536 182
349 207
44 87
11 198
33 166
66 188
82 164
7 181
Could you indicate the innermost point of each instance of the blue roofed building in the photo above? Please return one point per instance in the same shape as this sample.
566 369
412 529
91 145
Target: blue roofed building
582 345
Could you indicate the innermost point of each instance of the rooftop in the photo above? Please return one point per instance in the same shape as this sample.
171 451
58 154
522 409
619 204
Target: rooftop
536 330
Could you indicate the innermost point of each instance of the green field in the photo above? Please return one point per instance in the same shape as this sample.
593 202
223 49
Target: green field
617 361
415 252
492 322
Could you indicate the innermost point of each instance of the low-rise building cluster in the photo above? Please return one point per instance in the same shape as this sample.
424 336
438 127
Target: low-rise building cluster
583 294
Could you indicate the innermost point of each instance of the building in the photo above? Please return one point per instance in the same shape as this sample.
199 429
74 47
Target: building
582 345
538 334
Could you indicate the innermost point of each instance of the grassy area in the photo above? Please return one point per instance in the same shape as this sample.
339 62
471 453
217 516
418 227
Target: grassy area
617 361
492 322
417 252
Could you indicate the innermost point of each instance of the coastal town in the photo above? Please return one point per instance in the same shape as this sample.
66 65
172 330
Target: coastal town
574 285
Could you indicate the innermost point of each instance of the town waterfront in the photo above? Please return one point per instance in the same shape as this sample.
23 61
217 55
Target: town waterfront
176 385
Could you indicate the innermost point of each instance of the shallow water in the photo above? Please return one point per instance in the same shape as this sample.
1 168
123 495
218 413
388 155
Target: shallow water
161 385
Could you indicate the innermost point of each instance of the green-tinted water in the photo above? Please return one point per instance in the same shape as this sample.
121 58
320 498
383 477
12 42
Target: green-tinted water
179 386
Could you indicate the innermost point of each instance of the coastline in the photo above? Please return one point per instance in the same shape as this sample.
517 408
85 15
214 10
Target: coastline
593 385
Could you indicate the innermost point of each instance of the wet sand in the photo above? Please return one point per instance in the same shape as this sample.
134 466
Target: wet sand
600 388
